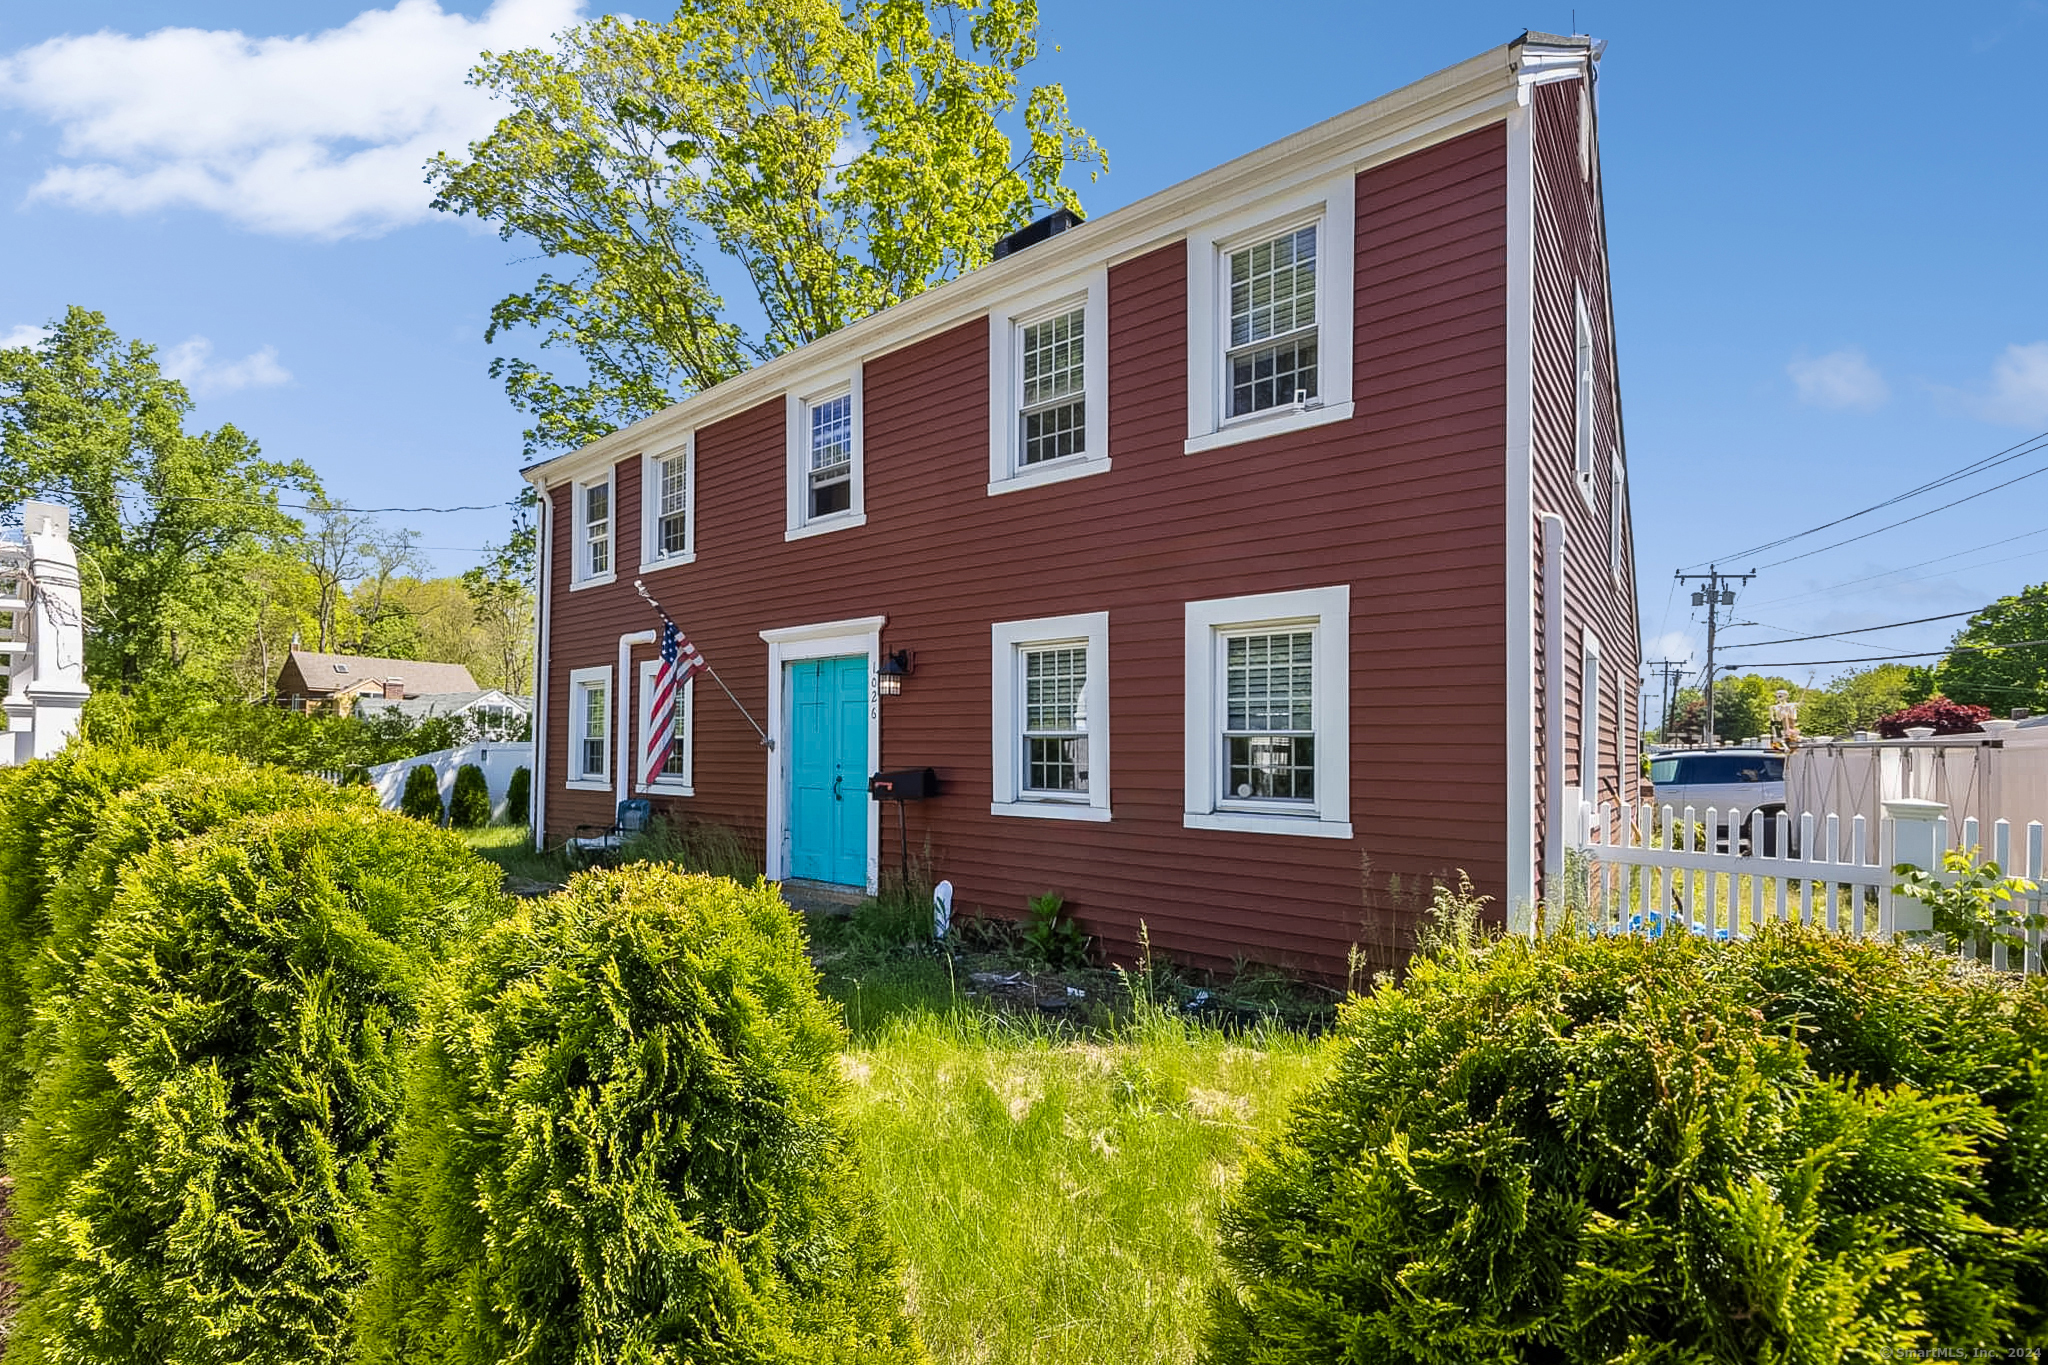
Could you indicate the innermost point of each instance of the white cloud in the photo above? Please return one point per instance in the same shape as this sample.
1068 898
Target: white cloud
322 135
1839 379
24 334
2019 388
191 363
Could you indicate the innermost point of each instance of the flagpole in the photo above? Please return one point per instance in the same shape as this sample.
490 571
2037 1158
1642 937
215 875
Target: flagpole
641 588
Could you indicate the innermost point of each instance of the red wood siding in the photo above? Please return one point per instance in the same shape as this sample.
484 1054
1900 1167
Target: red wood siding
1406 502
1571 253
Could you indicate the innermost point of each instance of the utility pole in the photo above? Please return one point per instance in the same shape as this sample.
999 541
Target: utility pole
1668 670
1713 597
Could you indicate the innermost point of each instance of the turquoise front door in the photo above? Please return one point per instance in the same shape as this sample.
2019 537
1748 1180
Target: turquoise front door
828 770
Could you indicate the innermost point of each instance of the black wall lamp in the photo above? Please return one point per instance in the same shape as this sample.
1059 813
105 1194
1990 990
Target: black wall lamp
890 673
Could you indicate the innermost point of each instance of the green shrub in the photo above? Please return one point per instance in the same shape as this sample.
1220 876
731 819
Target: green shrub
197 1158
624 1141
421 797
198 793
519 798
1799 1148
469 805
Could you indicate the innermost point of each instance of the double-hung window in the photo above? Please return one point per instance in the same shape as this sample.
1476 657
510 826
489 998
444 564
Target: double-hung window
1270 307
1050 723
594 522
674 777
1268 713
1582 394
825 461
1272 351
1617 507
590 730
668 506
1048 381
1589 717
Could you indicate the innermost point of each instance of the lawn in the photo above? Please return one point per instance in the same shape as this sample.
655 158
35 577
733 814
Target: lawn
1050 1151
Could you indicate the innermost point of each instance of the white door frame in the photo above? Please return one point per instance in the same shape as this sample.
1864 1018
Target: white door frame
824 640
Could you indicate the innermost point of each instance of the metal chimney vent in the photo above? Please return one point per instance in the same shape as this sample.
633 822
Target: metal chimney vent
1054 223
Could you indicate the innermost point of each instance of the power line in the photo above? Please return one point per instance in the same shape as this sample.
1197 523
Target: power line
2010 453
1906 521
1864 630
317 507
1905 568
1889 658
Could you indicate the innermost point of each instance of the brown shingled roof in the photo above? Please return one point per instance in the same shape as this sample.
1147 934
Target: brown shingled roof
422 677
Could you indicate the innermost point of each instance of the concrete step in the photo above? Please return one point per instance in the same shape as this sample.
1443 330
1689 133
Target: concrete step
827 898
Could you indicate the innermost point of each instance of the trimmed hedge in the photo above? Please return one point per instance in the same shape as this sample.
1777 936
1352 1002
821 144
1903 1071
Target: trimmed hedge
469 805
421 796
519 798
1800 1147
623 1142
199 1153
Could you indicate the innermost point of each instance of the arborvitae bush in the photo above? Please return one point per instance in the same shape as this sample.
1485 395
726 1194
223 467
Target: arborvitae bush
469 805
421 797
624 1141
519 798
196 793
197 1158
1798 1148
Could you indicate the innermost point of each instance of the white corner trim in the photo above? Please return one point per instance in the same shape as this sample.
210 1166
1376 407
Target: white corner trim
1329 611
1006 377
579 678
797 522
1243 822
538 785
1521 759
1055 471
818 640
651 557
838 521
1330 203
644 707
1275 423
1090 629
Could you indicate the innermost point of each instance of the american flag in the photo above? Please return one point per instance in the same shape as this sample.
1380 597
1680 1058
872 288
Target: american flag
679 660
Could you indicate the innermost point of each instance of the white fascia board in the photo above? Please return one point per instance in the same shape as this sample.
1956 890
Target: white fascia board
1437 108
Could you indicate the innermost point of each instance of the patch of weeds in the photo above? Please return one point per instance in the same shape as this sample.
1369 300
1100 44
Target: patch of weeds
694 846
1051 935
511 848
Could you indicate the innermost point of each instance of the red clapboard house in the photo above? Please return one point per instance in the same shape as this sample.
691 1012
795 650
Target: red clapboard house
1256 552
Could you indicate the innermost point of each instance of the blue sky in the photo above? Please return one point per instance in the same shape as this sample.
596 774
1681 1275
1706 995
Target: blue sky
1826 225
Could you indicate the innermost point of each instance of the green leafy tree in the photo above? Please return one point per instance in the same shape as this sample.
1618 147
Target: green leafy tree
501 595
838 157
165 521
421 796
469 805
1856 700
2001 678
1742 706
519 798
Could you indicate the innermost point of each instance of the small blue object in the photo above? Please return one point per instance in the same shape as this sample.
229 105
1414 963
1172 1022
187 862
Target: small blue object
1654 925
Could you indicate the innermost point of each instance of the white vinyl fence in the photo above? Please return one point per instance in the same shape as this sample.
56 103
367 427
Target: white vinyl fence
1647 868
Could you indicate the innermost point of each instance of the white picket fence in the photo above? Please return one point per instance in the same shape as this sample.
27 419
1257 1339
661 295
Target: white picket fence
1640 869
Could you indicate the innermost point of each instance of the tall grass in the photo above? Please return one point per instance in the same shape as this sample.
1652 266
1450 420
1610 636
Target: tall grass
1055 1195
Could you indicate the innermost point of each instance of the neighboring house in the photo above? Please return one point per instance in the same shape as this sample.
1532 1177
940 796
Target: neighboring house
1212 532
489 714
310 681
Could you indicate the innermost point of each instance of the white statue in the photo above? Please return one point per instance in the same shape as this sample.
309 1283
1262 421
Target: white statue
1785 721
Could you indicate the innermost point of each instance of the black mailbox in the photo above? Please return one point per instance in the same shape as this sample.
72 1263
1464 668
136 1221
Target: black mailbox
904 784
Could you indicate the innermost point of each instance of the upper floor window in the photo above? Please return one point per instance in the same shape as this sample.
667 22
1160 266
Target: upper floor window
825 473
1048 382
593 526
1270 305
1582 394
1272 357
668 501
1051 719
1268 713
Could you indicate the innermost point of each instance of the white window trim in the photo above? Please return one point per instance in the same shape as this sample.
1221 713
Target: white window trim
667 784
579 530
579 678
1589 716
797 441
1617 502
1006 638
820 640
1006 384
1329 610
651 556
1333 205
1585 385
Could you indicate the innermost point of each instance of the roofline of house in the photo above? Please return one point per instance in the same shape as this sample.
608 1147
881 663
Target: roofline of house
1447 104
